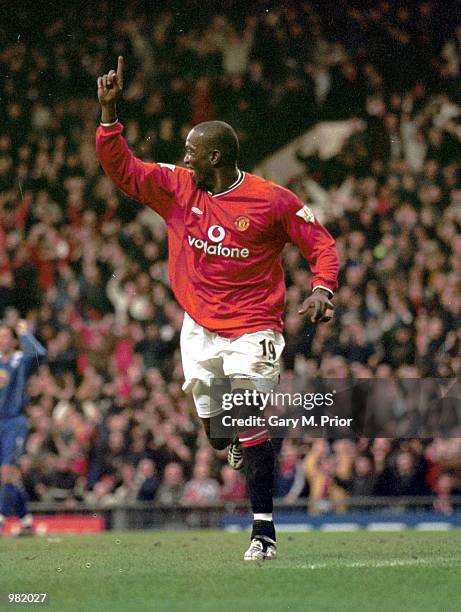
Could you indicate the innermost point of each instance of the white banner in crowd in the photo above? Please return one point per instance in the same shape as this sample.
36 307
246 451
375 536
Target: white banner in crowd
326 139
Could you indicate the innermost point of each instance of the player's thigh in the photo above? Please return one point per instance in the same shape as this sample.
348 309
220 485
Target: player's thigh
200 358
208 397
255 357
13 437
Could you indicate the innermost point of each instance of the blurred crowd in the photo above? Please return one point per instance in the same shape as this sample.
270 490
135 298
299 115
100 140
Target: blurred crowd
335 476
88 268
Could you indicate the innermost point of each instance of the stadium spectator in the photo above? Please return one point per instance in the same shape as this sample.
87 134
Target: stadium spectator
171 489
201 490
407 478
102 493
289 472
445 490
127 490
233 488
322 467
146 480
363 480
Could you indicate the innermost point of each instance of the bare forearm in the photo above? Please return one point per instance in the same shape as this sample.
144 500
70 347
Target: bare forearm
108 112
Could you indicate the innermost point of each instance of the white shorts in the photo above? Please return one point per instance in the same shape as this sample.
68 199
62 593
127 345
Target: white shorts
253 357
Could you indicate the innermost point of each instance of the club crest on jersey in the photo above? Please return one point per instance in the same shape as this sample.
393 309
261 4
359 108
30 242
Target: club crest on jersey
4 378
242 223
306 213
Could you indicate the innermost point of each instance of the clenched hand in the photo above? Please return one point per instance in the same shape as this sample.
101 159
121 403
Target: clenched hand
318 302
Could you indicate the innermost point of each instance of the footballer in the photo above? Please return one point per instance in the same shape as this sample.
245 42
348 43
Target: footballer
226 232
15 368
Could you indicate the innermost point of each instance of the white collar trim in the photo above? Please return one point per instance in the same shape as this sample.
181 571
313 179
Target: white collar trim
234 185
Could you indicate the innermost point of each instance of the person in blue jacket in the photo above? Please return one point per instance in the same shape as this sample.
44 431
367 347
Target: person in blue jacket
15 368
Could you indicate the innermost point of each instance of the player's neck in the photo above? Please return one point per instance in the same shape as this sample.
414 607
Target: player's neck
224 179
6 355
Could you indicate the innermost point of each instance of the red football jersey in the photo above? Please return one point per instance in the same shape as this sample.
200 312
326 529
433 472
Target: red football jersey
224 249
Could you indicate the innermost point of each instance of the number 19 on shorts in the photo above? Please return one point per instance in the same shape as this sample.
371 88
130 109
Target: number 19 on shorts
268 349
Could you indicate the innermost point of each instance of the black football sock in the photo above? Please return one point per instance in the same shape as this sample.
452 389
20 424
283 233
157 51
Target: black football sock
264 530
259 462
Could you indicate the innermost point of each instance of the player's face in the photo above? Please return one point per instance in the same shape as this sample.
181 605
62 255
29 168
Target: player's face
6 340
197 159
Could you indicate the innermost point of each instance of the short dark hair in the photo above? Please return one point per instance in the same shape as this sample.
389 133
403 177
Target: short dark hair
221 136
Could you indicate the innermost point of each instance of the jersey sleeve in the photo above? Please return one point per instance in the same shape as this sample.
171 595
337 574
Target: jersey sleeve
156 185
34 353
314 241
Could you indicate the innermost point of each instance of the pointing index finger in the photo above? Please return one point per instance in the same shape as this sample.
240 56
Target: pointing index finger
120 66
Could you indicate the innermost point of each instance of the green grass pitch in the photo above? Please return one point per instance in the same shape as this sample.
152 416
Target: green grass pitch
204 570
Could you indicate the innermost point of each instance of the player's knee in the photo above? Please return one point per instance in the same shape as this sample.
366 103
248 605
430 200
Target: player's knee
218 443
7 473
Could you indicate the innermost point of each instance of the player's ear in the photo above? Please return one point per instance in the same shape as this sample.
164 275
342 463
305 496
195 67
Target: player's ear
215 157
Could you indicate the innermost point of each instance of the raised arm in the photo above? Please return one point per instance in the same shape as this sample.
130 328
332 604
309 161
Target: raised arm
157 185
30 346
